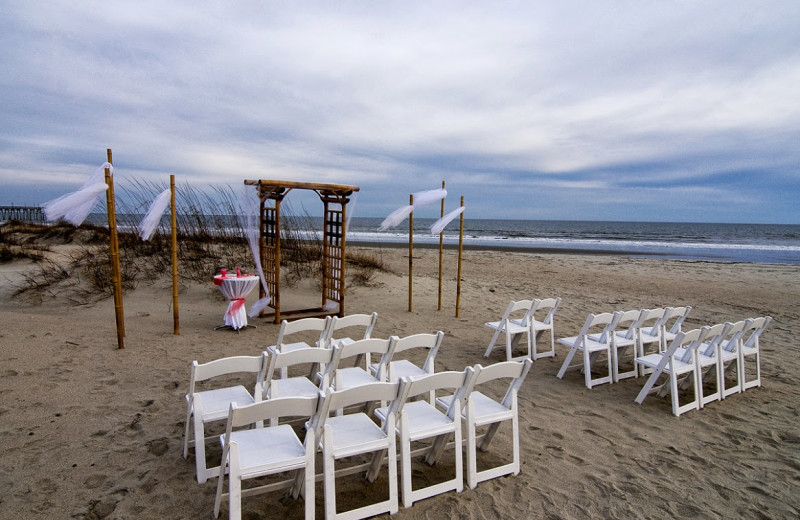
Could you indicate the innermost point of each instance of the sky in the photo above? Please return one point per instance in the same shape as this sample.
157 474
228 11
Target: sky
650 110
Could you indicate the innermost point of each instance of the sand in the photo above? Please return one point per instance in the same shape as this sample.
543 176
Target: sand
89 431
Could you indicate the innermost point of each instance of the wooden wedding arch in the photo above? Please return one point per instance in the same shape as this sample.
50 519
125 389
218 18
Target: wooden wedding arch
334 198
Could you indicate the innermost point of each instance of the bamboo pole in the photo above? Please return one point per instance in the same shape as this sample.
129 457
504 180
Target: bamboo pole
410 253
174 226
441 253
460 250
116 275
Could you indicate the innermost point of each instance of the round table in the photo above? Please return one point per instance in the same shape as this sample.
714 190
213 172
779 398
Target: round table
236 288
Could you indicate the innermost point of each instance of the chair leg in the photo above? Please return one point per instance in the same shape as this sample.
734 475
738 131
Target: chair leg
200 449
491 343
186 430
405 467
645 391
567 361
329 476
472 455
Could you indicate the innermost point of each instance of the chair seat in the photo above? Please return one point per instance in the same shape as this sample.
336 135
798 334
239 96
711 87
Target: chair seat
513 327
426 421
355 433
290 347
352 376
540 325
215 403
652 361
590 344
267 449
486 410
404 368
293 387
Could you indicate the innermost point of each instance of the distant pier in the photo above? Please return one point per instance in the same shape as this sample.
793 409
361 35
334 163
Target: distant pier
23 213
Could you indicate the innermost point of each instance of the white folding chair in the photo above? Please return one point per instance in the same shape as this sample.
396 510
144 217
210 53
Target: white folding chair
651 334
405 368
302 333
355 434
729 357
515 322
420 420
622 340
545 324
708 363
750 349
258 452
485 409
205 406
350 324
679 361
591 345
295 384
674 324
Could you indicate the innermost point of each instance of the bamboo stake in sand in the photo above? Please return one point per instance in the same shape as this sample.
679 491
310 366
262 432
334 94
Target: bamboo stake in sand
174 226
441 253
460 250
116 275
410 252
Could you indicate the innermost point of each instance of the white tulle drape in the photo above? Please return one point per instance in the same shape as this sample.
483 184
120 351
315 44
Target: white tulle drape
75 207
421 198
440 224
252 208
150 221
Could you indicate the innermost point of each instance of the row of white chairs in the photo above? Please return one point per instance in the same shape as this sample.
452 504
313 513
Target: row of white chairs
612 334
402 417
700 355
529 318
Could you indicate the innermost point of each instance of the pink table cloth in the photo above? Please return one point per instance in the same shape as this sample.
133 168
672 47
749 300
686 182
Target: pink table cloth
236 289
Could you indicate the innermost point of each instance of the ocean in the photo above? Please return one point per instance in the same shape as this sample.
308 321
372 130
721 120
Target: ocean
762 243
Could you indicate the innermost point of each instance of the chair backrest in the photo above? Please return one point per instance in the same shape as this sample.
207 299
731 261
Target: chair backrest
277 360
225 366
367 321
716 333
689 341
680 314
607 320
516 371
731 341
456 382
547 304
515 308
271 409
362 348
753 332
633 320
317 326
655 319
429 341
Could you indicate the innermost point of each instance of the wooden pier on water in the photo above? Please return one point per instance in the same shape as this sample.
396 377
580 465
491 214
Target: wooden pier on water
23 213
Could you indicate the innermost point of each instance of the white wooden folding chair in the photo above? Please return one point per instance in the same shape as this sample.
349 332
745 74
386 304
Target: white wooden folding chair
677 362
729 357
258 452
591 345
515 322
548 306
351 324
405 368
420 420
674 324
626 336
205 406
485 409
651 334
708 363
750 348
354 434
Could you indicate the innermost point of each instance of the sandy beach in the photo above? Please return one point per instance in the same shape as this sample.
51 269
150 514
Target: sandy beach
89 431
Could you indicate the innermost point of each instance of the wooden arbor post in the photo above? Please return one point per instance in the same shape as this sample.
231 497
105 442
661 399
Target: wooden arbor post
334 242
116 271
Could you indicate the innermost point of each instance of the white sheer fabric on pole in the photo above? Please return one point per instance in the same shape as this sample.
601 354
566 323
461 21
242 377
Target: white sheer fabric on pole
150 221
76 206
252 209
421 198
440 224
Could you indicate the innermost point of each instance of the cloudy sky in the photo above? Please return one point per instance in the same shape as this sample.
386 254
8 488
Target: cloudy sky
597 110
